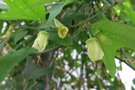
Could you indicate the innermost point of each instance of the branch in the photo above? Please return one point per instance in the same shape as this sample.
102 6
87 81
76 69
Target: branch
125 62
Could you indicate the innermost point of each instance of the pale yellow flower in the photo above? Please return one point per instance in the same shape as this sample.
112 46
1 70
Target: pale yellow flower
41 41
94 50
62 30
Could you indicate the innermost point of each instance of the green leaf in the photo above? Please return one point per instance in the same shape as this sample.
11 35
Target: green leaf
54 11
32 71
102 38
1 26
19 35
55 38
108 59
10 60
121 35
2 43
126 11
129 11
41 2
23 9
69 1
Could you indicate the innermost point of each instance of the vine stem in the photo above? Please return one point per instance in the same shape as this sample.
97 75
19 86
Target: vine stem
102 11
125 63
46 60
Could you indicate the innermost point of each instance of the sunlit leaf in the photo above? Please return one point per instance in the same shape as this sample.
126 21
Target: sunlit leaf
20 9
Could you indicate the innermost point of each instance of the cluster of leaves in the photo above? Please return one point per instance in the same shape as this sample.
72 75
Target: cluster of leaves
65 63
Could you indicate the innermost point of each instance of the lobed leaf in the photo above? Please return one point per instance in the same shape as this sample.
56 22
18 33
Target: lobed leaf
121 35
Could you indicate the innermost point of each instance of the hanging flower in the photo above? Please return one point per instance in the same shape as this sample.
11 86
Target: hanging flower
94 50
9 31
62 30
41 41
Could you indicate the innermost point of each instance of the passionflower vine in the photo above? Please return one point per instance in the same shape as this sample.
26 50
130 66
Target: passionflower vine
62 30
41 41
94 50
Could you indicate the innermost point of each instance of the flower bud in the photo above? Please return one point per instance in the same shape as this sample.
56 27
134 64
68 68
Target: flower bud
62 30
41 41
94 50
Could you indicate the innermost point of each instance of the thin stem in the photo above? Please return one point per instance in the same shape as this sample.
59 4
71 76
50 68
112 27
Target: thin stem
46 58
124 53
102 11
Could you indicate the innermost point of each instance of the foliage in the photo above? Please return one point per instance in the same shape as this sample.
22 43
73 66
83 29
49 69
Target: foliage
59 33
